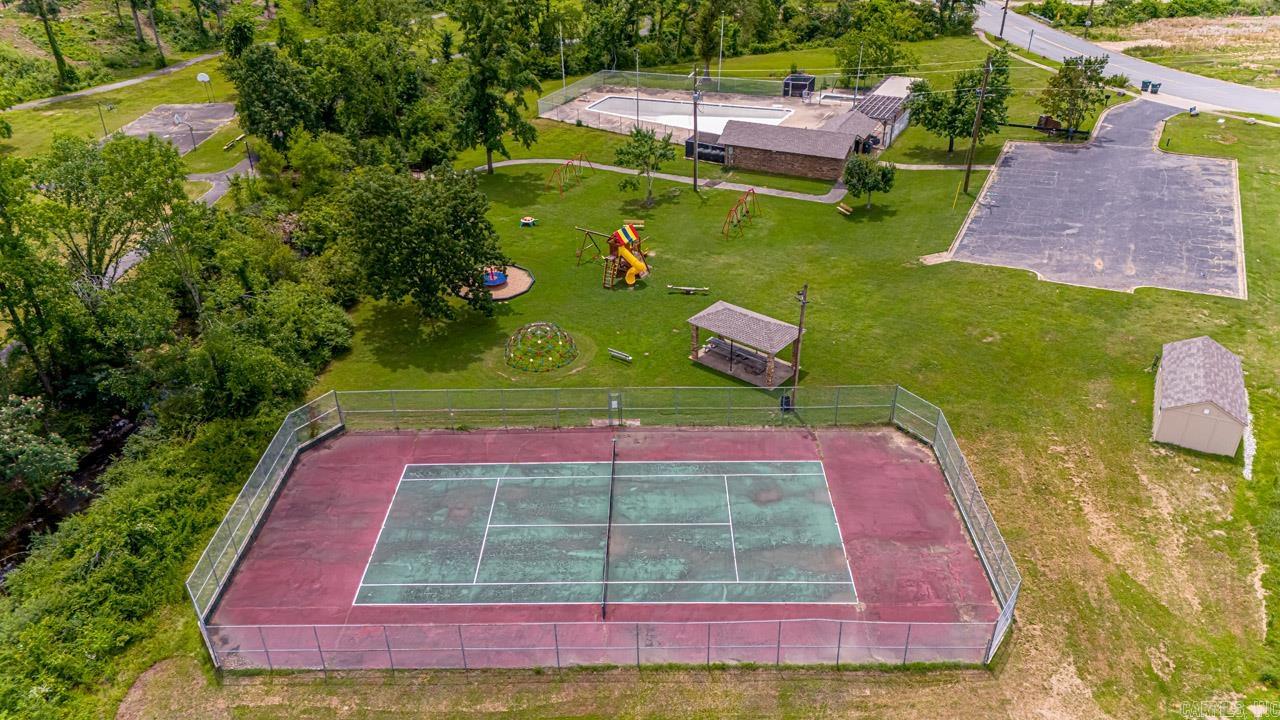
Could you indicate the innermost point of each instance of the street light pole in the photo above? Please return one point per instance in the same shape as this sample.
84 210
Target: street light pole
720 67
857 80
803 298
564 80
102 119
637 87
1004 15
696 97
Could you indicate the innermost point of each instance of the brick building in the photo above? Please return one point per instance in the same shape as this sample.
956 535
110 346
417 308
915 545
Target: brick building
785 150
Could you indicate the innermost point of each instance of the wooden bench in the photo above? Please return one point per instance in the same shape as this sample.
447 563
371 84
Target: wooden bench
754 361
844 209
232 144
637 224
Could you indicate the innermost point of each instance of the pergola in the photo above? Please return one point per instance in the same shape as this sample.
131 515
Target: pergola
744 344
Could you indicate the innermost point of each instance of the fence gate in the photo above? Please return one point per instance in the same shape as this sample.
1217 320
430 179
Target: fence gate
615 409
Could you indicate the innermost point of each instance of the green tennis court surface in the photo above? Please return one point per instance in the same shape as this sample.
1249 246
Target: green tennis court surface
682 532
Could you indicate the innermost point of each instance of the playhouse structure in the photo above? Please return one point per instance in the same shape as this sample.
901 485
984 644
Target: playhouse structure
625 259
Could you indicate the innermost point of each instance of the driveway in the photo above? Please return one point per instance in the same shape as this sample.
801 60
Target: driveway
1187 88
1116 213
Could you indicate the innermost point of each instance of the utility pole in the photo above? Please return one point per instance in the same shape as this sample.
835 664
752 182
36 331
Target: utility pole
720 67
564 80
858 80
1005 14
696 97
977 124
1088 20
1031 39
637 87
803 298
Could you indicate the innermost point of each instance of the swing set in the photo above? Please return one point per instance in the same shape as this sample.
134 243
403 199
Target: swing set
568 174
741 212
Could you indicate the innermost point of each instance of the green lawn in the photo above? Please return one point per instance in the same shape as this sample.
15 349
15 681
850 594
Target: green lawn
34 129
210 157
1137 558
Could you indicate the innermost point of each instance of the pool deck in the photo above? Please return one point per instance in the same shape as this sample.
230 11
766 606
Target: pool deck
810 115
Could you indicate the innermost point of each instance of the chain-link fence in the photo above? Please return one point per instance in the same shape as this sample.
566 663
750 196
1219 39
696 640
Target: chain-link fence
531 644
301 427
811 406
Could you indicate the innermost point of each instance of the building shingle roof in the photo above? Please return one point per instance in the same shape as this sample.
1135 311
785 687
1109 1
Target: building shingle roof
854 123
1200 370
779 138
741 325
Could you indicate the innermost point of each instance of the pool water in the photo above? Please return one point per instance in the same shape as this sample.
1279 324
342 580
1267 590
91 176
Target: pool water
679 113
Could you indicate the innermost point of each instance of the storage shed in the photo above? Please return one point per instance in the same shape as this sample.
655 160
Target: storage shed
1200 400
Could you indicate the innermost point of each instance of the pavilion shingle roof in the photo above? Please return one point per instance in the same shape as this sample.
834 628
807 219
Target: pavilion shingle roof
741 325
781 138
854 123
1200 370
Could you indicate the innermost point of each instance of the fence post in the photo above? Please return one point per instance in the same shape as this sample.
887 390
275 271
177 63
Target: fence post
637 646
448 405
502 400
906 647
893 406
839 642
337 403
778 658
555 633
937 427
835 420
463 646
386 640
557 396
708 644
395 414
324 666
263 639
675 402
728 406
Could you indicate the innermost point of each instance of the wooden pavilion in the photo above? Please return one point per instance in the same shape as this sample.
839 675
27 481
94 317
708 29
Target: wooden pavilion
744 344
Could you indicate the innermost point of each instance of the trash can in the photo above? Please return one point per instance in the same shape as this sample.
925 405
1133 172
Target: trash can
1146 85
1155 88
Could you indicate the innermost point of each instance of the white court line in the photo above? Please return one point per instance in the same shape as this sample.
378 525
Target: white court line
620 475
509 603
485 539
650 524
378 539
732 543
840 534
612 582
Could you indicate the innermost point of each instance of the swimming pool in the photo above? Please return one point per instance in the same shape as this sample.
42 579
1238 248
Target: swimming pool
679 113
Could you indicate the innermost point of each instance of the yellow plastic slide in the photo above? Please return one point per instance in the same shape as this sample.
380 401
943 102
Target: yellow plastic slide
638 268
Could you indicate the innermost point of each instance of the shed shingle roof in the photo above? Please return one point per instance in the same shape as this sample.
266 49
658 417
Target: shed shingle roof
1200 370
741 325
779 138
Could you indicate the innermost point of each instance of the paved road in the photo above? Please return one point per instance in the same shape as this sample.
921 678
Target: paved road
1179 88
834 195
99 89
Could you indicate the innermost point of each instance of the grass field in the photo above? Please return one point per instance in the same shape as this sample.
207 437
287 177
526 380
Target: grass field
1243 49
1142 564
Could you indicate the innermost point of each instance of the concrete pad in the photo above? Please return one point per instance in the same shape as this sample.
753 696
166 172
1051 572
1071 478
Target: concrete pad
1116 213
204 119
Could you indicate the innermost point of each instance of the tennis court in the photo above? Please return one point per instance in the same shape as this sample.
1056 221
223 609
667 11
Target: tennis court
605 533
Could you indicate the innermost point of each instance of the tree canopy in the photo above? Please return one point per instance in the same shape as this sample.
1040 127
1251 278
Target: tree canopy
950 114
864 174
1076 90
645 152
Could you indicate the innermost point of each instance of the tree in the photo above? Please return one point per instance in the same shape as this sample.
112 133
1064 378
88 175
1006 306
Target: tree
645 152
1075 91
137 23
273 94
104 199
155 32
491 92
31 462
863 174
872 49
237 34
47 11
956 16
951 114
427 241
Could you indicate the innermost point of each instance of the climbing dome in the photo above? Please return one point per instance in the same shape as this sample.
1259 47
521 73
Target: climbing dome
540 347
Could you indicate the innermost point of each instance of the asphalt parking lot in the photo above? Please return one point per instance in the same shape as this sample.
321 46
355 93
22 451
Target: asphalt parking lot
1115 213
